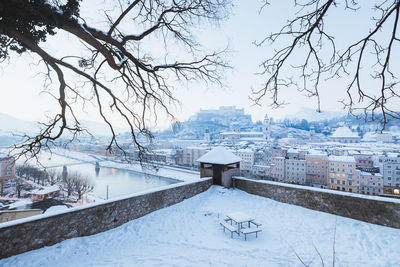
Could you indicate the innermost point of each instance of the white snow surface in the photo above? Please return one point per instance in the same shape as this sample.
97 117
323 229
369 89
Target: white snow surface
56 209
189 234
19 203
219 155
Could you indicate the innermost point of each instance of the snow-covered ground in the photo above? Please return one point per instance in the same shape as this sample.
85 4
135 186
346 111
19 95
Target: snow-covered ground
188 234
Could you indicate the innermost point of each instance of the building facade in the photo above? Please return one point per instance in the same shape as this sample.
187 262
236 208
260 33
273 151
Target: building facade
369 183
316 170
7 171
295 171
247 156
342 173
278 169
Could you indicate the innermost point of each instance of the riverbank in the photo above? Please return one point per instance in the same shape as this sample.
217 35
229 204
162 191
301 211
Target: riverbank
161 171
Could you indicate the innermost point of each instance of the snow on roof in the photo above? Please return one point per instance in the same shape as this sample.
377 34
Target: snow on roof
316 153
251 133
219 155
370 174
46 190
229 133
245 150
344 132
342 158
4 156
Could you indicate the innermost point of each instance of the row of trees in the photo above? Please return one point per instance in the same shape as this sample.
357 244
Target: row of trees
73 182
36 174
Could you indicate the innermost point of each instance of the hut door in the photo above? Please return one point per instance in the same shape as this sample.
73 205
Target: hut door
217 173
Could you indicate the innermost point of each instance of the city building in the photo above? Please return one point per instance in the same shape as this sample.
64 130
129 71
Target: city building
316 169
345 135
278 169
389 166
369 183
247 156
191 154
364 160
342 173
295 171
7 170
262 171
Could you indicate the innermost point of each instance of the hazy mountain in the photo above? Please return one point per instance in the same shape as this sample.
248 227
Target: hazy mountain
312 115
10 125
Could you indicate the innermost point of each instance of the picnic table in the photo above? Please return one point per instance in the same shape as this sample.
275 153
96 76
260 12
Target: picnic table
239 218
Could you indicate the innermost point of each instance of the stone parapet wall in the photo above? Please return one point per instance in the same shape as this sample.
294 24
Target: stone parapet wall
39 231
370 209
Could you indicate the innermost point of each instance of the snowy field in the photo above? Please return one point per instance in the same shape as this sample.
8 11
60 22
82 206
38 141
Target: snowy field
188 234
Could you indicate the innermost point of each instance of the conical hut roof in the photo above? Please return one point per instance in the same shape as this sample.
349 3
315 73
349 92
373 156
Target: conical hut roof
219 155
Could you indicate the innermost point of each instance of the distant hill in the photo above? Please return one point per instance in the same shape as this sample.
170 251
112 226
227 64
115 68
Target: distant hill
10 125
312 115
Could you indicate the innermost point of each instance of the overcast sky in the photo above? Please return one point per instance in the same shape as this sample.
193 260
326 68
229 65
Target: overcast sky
21 86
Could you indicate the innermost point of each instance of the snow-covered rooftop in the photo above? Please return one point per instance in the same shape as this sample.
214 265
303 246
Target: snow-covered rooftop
189 234
219 155
46 190
342 158
344 132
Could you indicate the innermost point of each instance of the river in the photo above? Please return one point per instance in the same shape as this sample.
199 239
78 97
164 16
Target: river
119 182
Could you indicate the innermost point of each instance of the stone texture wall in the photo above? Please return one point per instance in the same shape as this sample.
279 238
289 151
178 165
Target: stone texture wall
37 233
227 177
380 212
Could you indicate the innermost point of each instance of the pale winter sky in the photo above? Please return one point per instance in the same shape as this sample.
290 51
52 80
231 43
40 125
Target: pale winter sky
21 86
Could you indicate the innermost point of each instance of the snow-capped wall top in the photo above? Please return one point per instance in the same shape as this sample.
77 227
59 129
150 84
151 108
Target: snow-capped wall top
344 132
219 155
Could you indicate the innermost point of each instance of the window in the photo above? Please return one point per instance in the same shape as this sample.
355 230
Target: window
332 181
350 183
338 181
343 182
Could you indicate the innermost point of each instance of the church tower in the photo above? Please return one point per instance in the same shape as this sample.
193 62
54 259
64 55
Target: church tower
266 128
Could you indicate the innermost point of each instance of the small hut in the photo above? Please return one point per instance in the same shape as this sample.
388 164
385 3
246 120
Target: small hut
221 165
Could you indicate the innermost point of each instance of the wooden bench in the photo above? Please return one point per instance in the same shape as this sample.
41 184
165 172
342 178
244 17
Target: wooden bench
230 228
228 220
256 223
247 231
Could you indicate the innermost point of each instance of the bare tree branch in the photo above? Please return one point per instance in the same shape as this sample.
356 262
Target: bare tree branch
322 59
114 72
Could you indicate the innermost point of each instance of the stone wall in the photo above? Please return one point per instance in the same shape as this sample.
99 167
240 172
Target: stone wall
370 209
227 177
34 233
12 215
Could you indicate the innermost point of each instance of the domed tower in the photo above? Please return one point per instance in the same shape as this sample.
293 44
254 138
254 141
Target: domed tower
266 128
